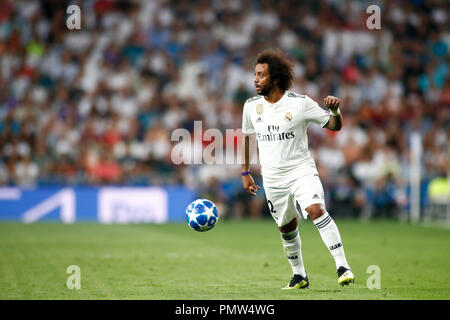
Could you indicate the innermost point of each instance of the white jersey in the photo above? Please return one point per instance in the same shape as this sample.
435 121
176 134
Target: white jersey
280 130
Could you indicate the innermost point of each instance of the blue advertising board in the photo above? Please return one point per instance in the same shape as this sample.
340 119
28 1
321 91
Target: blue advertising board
103 204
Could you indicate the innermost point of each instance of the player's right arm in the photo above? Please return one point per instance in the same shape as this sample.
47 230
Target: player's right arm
248 140
247 179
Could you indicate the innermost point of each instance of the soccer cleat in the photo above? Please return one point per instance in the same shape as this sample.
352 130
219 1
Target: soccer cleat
297 282
345 276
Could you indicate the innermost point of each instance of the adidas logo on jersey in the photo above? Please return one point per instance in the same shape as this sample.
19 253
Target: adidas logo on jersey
315 196
259 119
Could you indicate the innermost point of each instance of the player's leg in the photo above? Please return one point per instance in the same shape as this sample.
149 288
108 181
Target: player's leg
292 246
312 201
281 207
330 235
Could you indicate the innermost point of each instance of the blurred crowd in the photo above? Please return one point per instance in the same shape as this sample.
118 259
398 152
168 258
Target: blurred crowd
98 105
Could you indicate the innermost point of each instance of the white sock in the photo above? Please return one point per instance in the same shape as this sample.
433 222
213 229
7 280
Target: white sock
332 239
293 249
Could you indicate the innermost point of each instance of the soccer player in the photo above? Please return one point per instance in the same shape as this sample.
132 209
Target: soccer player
278 119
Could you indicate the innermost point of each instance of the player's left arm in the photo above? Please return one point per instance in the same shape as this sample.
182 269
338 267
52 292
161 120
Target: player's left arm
335 122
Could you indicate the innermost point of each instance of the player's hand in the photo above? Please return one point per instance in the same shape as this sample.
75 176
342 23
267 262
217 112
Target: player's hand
249 184
331 102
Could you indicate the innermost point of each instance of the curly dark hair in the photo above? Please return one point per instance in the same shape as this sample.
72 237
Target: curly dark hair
280 69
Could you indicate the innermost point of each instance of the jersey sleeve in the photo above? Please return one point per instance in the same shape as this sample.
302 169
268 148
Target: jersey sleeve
247 125
314 113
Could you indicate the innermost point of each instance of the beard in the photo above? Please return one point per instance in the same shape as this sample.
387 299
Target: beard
267 89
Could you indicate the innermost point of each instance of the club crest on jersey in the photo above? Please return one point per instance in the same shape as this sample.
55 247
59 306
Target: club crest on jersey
288 116
259 109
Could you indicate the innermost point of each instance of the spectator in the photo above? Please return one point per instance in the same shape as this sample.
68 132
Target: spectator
99 105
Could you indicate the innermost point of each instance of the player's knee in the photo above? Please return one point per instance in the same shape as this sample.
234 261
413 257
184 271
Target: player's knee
315 211
291 226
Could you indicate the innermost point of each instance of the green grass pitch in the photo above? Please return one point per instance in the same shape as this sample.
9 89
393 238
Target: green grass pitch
235 260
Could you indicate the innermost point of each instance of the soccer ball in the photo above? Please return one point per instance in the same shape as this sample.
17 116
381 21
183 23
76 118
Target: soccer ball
201 215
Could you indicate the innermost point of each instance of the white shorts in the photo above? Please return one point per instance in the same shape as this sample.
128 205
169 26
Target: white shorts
283 196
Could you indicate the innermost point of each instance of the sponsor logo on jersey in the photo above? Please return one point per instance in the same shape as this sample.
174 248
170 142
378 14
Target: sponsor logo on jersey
288 116
292 257
259 109
275 136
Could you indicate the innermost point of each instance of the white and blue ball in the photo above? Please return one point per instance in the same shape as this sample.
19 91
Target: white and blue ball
202 215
